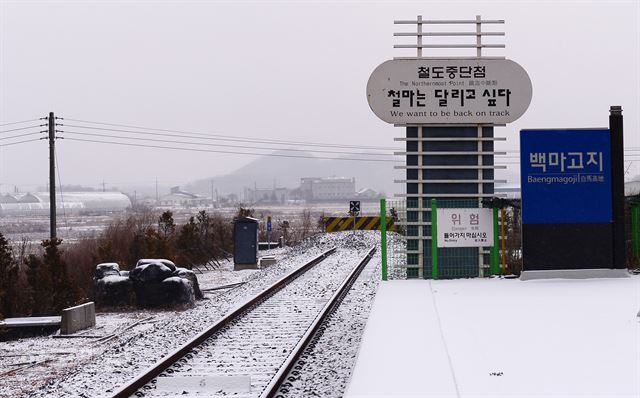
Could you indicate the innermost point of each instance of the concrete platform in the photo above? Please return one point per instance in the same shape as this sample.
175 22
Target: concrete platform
72 319
266 261
240 267
77 318
501 338
574 274
31 321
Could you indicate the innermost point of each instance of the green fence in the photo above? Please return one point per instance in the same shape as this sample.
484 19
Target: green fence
394 256
455 262
412 253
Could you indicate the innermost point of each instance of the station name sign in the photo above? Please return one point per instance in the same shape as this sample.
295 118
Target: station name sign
449 91
566 176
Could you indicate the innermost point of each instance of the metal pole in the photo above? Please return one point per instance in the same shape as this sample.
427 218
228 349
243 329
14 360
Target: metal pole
480 147
478 36
480 174
617 186
420 199
504 252
419 143
52 173
383 237
495 260
635 230
419 36
434 239
268 232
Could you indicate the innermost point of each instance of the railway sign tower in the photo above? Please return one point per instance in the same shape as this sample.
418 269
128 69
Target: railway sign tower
449 107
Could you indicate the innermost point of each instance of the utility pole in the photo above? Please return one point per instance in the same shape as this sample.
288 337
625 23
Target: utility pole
156 191
212 194
52 173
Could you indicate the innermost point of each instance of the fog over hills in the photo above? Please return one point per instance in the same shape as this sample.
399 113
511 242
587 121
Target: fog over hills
266 171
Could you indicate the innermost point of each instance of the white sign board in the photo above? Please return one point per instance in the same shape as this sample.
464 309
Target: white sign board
449 91
465 227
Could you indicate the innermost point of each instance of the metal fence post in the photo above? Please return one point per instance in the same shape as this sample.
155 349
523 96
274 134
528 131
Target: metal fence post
383 237
503 219
434 239
635 230
495 256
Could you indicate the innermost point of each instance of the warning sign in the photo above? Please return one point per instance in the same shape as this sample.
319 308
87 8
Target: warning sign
465 227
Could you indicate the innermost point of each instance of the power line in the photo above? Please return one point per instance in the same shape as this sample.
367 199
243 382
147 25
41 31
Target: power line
232 139
20 142
223 145
223 137
229 152
24 121
20 128
20 135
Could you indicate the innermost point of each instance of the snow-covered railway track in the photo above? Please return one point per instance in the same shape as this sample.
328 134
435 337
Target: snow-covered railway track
242 352
280 385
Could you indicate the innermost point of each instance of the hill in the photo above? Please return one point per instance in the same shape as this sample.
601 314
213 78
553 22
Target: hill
266 171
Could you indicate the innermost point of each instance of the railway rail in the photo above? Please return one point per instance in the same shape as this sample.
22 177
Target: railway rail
250 351
289 372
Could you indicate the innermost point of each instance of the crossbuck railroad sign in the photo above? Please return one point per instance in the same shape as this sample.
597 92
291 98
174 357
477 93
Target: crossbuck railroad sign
354 207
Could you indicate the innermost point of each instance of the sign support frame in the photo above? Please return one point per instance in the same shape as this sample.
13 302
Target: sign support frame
436 170
434 239
383 237
617 186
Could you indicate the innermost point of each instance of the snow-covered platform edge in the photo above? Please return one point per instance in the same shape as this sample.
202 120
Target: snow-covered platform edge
574 274
501 338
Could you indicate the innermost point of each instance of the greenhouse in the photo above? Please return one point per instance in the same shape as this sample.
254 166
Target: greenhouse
38 202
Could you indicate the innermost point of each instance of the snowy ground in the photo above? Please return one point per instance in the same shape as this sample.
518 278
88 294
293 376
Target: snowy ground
501 338
89 367
72 226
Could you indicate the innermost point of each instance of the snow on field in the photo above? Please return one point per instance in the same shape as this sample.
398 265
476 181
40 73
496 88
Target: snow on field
133 340
501 338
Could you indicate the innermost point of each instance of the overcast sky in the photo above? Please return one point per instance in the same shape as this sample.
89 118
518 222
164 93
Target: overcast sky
292 71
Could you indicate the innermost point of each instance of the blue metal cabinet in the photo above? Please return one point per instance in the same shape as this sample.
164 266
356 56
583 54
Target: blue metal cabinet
245 241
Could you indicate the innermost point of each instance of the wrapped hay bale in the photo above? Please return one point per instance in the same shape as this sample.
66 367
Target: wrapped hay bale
152 283
147 281
168 263
151 272
191 277
106 269
178 290
114 290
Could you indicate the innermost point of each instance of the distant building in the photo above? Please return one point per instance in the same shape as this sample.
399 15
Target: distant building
509 191
327 188
178 197
367 194
266 195
8 198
